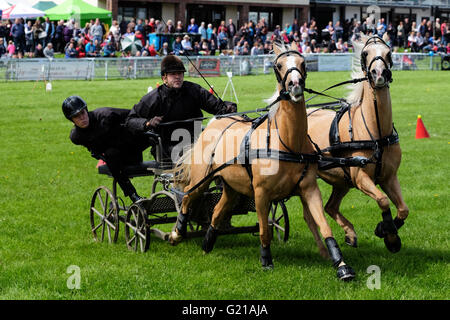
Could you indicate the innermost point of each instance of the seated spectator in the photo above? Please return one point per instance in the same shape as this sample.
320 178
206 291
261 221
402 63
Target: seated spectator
48 51
110 49
149 51
164 50
80 49
177 47
39 51
186 44
90 49
222 39
140 36
71 52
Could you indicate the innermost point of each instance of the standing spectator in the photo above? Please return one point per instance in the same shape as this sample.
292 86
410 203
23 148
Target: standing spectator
231 30
444 33
296 26
122 26
18 35
115 30
170 27
213 43
97 31
437 29
338 31
222 39
202 31
381 27
159 27
221 27
2 48
49 29
209 32
29 39
312 31
11 49
3 31
400 34
48 51
423 27
38 33
192 27
179 28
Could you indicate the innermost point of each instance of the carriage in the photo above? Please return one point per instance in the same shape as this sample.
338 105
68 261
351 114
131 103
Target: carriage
142 219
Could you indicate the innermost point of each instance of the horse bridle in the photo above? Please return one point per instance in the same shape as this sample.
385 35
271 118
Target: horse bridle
387 64
282 80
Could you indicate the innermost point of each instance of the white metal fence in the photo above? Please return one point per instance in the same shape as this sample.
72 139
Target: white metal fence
149 67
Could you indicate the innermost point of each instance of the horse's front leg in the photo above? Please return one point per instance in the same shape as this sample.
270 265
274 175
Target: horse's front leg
394 192
313 227
386 229
262 205
312 199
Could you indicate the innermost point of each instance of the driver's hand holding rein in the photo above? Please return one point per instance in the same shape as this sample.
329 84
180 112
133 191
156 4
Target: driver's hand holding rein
174 100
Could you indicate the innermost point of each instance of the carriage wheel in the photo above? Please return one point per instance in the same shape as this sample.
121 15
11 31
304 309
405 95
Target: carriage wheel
137 231
279 220
104 215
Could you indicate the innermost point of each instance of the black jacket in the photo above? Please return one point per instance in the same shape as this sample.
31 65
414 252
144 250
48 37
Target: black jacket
106 130
173 104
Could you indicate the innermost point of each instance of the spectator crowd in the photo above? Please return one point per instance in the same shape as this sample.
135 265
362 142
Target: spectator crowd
43 39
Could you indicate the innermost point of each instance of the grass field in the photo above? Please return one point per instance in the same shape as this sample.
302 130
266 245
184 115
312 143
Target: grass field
46 184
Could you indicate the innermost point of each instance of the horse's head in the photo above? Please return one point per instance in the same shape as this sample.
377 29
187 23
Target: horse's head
290 70
376 61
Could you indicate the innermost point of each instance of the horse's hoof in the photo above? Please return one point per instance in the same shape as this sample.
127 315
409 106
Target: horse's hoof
379 231
210 239
345 273
393 243
267 267
351 243
174 238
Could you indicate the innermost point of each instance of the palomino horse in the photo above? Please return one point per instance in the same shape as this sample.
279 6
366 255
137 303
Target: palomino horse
365 129
248 157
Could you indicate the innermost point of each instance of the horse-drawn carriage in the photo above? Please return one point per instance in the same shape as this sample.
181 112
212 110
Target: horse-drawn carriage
364 152
142 218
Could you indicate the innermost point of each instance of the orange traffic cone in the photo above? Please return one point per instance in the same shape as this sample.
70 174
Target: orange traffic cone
211 90
421 131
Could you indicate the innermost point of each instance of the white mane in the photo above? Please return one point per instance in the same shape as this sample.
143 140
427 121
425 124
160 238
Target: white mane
354 96
274 108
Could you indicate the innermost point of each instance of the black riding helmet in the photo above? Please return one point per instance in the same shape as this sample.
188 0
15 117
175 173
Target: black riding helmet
73 105
171 63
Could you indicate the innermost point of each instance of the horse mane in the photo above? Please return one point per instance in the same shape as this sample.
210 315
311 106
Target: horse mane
356 90
273 110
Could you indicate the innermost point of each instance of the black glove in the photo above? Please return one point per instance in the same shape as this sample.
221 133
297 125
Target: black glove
230 107
153 122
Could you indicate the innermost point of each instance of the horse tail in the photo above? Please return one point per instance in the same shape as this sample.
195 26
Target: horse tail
182 169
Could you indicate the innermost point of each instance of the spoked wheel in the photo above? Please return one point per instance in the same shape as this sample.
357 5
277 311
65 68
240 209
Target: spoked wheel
137 231
104 215
279 220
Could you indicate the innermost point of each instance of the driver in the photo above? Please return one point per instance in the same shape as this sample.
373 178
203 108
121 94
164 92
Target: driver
102 132
174 100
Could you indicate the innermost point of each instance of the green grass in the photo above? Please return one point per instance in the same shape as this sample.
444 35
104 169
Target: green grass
46 184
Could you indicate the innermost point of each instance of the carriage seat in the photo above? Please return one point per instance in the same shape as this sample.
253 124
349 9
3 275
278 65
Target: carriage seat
146 168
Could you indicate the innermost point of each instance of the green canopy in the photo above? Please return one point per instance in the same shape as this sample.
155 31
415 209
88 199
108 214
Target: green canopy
80 11
44 5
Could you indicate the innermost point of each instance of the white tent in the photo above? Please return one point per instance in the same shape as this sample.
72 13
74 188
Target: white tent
21 10
4 5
